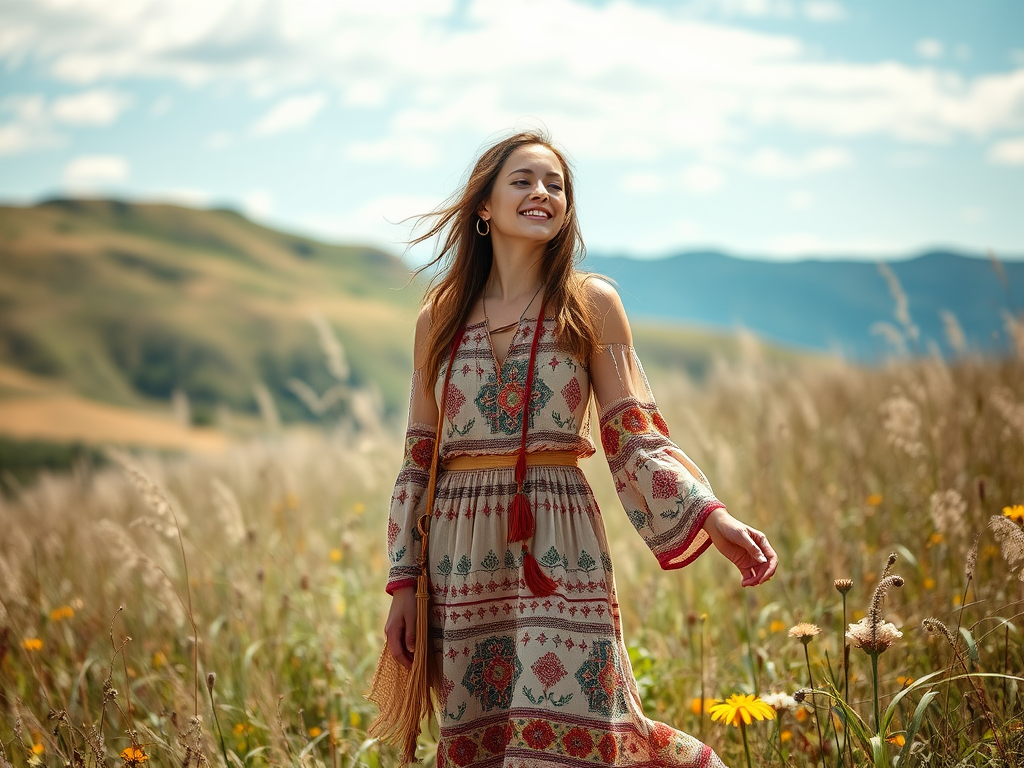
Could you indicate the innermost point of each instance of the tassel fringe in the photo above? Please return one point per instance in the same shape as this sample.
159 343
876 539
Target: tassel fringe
520 522
540 584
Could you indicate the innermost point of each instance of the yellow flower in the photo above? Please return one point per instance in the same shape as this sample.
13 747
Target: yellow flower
238 729
899 740
359 508
935 538
32 644
314 732
929 583
335 555
786 736
1015 512
874 499
38 748
708 704
904 681
159 659
133 756
354 719
801 715
64 612
741 708
777 626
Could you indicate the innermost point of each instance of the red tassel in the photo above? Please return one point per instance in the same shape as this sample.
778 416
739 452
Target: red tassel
538 582
521 468
520 520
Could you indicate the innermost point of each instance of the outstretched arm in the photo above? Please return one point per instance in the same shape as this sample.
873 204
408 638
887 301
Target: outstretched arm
666 496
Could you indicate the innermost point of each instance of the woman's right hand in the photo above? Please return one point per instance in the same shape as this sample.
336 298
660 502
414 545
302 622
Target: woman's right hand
400 628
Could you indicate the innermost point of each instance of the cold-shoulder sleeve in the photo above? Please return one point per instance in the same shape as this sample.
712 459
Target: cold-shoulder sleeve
665 495
409 497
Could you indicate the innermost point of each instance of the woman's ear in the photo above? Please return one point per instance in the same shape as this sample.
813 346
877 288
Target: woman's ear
483 213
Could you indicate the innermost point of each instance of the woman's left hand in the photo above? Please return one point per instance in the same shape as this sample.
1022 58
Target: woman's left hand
747 548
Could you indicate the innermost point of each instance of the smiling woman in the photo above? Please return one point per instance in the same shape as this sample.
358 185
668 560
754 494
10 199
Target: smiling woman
503 597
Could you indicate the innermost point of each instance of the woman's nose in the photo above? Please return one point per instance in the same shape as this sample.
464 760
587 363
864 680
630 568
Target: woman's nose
539 190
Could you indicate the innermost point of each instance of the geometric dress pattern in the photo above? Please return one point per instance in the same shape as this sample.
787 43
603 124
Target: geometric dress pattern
526 681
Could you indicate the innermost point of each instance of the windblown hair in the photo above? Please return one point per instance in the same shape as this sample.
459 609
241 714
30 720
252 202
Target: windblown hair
465 259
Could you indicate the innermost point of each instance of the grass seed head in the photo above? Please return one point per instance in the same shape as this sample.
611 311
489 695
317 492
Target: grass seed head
936 627
1011 540
843 585
804 632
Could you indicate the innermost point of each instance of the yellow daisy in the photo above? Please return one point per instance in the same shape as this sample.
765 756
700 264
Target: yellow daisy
741 708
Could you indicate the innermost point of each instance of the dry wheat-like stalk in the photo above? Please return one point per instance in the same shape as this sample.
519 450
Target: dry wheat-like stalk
935 626
947 510
334 352
1011 541
230 513
1009 409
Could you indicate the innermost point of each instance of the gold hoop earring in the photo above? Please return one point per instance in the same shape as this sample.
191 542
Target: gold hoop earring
487 231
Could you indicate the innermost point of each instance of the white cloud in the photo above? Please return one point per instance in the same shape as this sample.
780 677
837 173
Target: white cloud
929 48
702 179
290 114
90 171
382 221
824 10
1007 152
219 140
100 106
800 200
411 151
769 161
257 203
643 183
30 127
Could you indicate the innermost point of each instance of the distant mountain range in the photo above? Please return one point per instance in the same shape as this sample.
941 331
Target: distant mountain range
825 305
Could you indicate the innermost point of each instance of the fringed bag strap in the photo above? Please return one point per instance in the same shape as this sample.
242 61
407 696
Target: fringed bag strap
422 676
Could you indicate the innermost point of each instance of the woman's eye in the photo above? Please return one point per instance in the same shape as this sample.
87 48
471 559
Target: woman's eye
520 181
556 187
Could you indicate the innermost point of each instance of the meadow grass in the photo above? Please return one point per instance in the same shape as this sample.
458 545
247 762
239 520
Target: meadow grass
110 653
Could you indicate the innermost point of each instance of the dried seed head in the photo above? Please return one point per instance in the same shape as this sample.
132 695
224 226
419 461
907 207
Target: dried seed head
804 632
972 560
872 639
936 627
1011 540
843 585
893 557
211 680
800 695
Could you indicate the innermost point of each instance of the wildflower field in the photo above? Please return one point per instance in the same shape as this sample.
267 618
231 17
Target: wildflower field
180 611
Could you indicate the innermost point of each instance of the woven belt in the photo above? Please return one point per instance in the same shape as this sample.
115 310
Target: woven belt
503 460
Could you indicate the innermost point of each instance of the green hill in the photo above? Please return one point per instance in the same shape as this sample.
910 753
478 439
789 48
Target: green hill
127 302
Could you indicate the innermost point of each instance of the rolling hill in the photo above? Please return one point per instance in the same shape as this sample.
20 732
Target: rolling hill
823 305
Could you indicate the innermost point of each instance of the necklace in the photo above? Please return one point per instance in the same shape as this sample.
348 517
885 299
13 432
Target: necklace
487 322
487 328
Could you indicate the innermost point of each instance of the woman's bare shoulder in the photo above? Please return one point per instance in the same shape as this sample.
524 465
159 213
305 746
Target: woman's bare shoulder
608 310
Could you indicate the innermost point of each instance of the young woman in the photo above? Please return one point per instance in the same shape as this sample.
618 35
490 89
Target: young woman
524 618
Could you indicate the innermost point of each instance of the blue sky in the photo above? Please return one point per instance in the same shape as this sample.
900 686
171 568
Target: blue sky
771 128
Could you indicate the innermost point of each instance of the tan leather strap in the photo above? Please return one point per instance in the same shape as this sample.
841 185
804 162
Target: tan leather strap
504 460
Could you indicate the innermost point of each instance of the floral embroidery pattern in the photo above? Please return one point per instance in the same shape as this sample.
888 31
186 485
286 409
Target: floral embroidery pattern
503 402
493 671
664 484
601 680
549 670
453 403
422 453
571 393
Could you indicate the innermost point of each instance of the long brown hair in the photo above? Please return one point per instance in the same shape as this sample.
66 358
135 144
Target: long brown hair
465 259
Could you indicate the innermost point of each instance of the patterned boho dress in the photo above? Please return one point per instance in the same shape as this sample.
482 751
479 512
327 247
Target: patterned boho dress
540 682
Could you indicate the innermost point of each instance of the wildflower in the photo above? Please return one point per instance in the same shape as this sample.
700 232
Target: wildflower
239 729
929 583
159 659
1015 513
359 508
314 732
904 681
38 748
785 736
776 626
741 708
843 585
354 719
695 705
64 612
780 702
899 740
874 499
802 714
872 639
804 632
335 555
133 756
32 644
935 538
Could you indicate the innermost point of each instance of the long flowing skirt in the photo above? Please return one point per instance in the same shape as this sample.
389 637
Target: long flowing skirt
535 681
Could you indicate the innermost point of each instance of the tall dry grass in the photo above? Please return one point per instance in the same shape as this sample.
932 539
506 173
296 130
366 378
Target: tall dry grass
106 646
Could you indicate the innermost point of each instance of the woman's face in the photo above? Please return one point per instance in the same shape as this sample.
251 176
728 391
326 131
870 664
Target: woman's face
528 199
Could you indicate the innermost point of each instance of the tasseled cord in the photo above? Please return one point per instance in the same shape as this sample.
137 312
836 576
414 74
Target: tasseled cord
402 715
521 522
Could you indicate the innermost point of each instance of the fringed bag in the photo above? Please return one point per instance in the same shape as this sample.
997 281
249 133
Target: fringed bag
404 697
